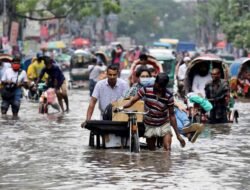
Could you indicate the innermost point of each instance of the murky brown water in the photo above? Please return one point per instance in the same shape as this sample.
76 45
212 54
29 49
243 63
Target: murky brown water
51 152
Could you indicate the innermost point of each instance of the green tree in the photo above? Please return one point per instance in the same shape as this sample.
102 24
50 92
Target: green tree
232 17
58 9
147 21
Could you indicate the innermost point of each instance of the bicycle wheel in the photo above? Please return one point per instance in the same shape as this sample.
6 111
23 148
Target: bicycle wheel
135 143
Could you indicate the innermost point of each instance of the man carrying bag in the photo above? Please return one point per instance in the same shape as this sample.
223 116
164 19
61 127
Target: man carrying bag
12 80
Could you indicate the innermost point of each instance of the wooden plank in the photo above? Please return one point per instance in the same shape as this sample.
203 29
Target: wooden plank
138 106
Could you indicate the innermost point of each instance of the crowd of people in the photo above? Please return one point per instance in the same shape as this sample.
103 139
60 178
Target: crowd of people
148 82
14 78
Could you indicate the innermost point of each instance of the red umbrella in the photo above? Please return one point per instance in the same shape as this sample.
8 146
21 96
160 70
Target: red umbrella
221 44
80 42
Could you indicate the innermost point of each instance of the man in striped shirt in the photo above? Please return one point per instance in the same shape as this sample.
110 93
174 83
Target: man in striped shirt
159 105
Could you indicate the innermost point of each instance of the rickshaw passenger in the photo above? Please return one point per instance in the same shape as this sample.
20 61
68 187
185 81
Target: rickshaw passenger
217 92
244 83
201 79
144 79
144 61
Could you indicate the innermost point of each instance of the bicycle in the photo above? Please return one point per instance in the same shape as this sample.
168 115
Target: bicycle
133 128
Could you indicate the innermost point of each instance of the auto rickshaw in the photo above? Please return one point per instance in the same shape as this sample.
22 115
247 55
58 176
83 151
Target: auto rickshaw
78 70
102 56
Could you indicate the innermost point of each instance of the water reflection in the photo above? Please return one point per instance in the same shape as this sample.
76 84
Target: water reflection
51 152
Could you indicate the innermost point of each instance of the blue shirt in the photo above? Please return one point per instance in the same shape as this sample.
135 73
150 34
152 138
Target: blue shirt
54 73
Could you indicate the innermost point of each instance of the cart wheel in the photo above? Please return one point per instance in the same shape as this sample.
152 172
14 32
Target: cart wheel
135 143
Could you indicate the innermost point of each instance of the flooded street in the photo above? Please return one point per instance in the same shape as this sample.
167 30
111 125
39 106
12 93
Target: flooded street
51 152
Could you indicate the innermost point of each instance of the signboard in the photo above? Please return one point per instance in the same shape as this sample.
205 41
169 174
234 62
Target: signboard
32 29
14 33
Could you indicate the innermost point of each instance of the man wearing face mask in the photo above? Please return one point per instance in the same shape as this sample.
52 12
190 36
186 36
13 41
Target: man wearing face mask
13 79
145 80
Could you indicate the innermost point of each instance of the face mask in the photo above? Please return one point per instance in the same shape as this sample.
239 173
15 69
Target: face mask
15 66
147 81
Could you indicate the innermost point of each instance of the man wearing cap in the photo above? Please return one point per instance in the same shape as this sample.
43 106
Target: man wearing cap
13 79
182 73
56 80
36 67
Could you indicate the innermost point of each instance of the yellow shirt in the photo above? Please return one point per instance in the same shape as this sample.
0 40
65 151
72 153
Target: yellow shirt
35 69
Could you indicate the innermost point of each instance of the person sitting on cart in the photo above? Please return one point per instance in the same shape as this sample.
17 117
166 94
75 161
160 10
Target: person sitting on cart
144 79
159 105
244 83
56 80
146 61
218 93
201 79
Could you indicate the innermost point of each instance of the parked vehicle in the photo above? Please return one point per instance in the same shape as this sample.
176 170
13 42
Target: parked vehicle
78 70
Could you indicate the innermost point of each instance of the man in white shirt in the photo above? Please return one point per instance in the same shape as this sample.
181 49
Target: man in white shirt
94 72
182 74
13 79
201 79
107 91
183 68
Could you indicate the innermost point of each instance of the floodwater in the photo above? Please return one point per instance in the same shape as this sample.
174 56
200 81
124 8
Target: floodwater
51 152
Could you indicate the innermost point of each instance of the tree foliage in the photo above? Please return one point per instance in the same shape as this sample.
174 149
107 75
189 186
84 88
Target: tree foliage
150 20
233 18
49 9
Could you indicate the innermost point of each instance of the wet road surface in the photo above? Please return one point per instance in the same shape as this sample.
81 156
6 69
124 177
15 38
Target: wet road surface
51 152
